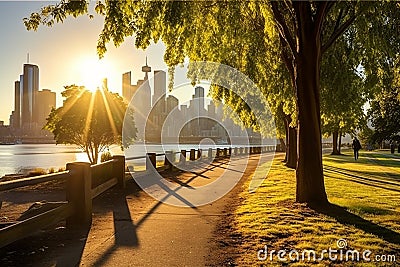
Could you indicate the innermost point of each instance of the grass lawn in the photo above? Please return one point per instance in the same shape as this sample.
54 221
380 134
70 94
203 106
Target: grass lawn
365 212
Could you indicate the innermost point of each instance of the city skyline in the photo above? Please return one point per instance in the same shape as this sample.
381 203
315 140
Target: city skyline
65 53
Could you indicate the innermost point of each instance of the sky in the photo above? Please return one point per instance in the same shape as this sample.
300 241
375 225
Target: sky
65 53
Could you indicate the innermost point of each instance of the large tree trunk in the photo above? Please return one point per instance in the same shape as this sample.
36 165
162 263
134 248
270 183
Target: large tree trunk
310 186
291 144
335 150
340 142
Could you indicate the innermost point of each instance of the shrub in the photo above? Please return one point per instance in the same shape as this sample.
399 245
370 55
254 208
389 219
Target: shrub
105 156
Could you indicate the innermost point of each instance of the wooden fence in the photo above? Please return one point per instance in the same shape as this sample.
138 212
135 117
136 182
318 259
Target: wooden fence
83 183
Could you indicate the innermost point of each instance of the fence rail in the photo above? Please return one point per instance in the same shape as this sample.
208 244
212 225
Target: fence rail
5 186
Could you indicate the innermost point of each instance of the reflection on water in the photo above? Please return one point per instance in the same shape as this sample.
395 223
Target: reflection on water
16 158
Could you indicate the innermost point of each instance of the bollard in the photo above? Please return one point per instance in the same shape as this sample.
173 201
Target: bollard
168 160
218 153
118 170
199 152
79 194
225 152
151 161
230 151
210 153
192 154
182 159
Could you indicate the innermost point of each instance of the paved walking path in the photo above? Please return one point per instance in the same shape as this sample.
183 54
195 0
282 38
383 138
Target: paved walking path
133 229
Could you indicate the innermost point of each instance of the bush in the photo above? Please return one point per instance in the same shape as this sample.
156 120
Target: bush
105 156
36 172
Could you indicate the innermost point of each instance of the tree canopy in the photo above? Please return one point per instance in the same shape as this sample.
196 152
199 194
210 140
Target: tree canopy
91 120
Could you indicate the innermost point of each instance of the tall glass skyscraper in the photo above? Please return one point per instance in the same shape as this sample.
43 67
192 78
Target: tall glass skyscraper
30 87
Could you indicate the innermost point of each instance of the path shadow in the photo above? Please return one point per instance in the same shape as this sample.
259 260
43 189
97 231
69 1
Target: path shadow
343 216
125 230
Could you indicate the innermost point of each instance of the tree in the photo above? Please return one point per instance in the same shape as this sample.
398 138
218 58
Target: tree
343 92
385 116
91 120
250 36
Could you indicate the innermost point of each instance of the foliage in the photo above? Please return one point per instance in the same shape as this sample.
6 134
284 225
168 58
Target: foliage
385 115
91 120
105 156
343 92
366 136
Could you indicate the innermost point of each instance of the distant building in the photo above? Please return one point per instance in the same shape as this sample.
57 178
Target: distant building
31 106
30 87
190 123
160 85
16 115
46 100
140 100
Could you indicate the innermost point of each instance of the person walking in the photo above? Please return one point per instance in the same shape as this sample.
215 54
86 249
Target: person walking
356 147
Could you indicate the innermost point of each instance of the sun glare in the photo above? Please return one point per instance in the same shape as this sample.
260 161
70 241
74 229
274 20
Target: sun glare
93 72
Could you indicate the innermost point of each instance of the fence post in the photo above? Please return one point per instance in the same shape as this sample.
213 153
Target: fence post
192 154
199 152
183 157
210 153
235 151
246 150
225 152
79 193
151 161
218 153
230 152
118 170
168 159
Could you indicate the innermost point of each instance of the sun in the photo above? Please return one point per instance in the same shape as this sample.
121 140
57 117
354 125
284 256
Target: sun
93 72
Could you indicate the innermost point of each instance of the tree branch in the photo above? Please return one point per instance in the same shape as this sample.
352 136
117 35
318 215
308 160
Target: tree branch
283 28
338 32
321 13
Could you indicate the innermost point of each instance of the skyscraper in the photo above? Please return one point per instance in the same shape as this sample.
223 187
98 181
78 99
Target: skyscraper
16 116
139 97
160 88
126 86
46 100
31 106
30 87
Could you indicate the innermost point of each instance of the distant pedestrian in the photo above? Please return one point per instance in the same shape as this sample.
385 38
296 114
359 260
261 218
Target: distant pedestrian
356 147
392 147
